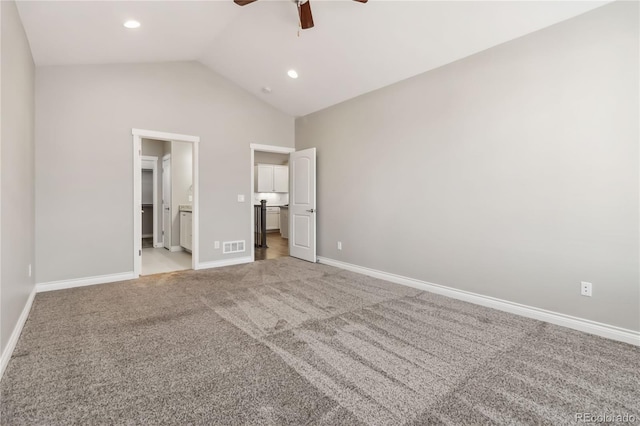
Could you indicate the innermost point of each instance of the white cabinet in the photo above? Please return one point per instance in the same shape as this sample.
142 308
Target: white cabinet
186 230
271 178
264 178
284 222
273 218
280 178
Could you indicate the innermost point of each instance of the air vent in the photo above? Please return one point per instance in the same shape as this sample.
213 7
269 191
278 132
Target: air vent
232 246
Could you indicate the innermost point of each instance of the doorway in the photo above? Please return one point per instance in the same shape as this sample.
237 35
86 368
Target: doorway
176 224
270 196
297 233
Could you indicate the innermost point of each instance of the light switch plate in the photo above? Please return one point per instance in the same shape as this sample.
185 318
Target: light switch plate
241 198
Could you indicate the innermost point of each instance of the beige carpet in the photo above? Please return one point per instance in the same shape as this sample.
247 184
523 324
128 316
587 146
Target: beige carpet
288 342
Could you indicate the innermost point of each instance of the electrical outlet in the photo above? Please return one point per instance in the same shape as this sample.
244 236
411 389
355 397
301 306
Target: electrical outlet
339 245
585 288
29 269
216 244
241 198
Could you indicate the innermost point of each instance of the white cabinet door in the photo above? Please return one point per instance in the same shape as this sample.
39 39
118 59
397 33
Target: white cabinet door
280 178
271 178
185 230
273 218
265 178
190 231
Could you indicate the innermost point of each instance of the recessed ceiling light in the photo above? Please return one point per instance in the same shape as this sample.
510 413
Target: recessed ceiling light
132 24
292 73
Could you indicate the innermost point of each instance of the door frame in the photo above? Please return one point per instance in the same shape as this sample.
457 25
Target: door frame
263 148
167 158
153 161
137 136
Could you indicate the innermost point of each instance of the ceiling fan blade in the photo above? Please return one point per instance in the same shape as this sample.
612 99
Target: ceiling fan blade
243 2
361 1
306 19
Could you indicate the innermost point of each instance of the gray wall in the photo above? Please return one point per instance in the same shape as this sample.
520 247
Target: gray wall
84 117
512 173
260 157
181 180
17 146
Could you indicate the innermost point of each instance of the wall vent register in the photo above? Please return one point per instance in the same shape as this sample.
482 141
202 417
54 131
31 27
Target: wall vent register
233 247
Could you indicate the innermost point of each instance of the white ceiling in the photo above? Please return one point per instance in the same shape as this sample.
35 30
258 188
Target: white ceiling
354 48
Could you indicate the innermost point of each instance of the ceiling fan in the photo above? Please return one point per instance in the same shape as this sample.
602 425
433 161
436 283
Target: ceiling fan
304 11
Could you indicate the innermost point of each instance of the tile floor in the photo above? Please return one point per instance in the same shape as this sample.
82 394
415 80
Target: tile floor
159 260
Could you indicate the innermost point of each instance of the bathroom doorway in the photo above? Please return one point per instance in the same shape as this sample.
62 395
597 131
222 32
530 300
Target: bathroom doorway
173 222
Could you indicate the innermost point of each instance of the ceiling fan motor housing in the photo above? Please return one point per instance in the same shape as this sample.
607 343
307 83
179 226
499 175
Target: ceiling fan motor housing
304 11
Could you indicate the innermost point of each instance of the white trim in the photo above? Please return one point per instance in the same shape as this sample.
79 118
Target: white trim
2 354
600 329
164 136
263 148
167 159
138 134
220 263
175 249
15 335
137 204
252 223
81 282
271 148
195 226
158 245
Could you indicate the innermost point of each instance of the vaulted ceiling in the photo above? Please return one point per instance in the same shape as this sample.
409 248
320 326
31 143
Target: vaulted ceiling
354 48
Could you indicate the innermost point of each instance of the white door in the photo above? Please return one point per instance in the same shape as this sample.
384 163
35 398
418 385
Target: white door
166 202
302 205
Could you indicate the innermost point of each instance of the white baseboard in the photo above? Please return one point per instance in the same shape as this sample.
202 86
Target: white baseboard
580 324
175 248
225 262
15 335
158 245
81 282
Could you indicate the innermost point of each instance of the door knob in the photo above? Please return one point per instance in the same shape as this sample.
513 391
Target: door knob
311 211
